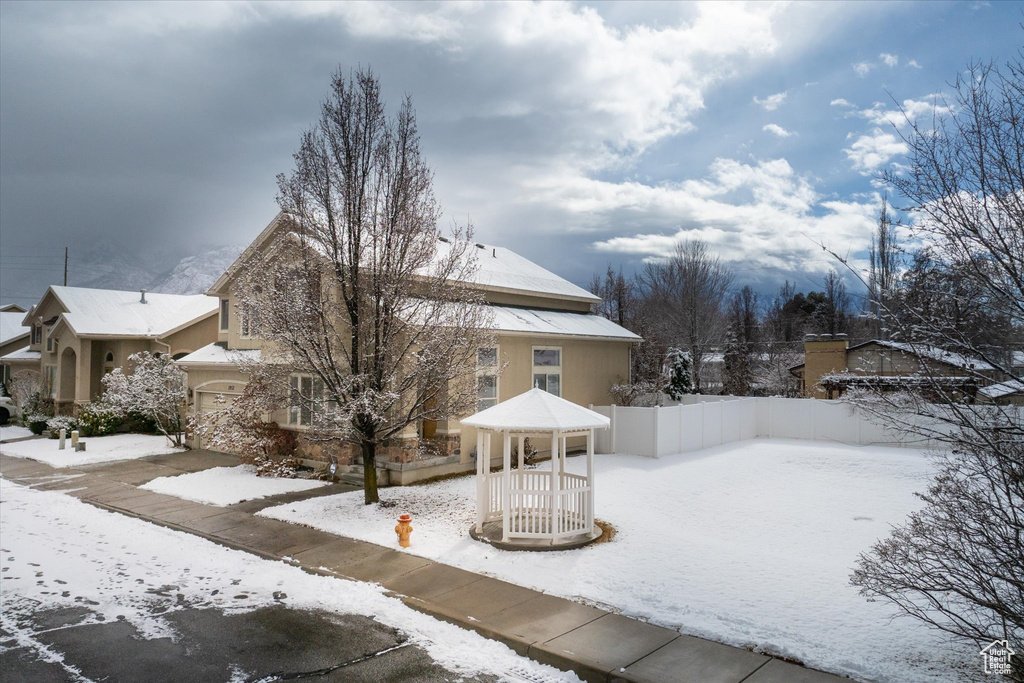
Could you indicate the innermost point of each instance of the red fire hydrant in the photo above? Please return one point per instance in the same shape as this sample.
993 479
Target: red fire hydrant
403 529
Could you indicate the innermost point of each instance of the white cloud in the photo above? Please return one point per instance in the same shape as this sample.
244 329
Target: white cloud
778 130
889 60
840 102
909 110
772 102
872 151
760 215
862 69
913 64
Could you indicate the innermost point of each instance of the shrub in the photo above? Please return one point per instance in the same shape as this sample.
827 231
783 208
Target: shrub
37 423
137 423
54 425
98 419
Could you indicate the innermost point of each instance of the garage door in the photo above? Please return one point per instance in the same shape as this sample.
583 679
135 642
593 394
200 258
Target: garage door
212 402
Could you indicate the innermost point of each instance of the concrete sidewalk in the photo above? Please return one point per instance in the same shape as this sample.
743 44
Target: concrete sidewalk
596 644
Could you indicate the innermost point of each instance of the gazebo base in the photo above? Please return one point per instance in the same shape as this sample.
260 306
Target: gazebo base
492 536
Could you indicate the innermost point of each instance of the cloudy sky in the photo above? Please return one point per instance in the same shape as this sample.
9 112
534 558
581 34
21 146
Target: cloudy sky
577 134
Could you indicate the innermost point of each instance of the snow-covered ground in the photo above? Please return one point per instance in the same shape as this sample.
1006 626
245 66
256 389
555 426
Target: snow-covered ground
228 485
750 544
12 432
97 449
59 552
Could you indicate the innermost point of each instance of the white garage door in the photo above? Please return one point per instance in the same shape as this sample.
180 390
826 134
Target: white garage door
212 402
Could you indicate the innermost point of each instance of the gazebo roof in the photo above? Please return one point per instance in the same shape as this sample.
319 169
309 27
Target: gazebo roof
539 411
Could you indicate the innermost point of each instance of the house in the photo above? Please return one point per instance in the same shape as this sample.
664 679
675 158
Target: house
80 334
831 366
546 335
13 336
1010 392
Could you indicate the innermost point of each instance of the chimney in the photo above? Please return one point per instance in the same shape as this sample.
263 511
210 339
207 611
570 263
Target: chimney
823 354
143 299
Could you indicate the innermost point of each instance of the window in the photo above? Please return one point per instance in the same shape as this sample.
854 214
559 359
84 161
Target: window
486 378
50 341
224 306
250 321
50 375
37 334
547 369
307 400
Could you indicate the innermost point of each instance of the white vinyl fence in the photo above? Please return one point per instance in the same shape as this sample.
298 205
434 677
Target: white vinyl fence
711 421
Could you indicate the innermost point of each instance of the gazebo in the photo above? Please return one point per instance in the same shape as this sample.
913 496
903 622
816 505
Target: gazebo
537 509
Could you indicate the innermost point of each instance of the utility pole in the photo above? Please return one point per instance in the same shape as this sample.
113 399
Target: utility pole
65 266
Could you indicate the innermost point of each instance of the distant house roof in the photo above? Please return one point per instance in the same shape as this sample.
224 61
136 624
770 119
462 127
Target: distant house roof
562 323
923 351
114 313
11 308
539 410
1002 389
23 354
11 327
217 354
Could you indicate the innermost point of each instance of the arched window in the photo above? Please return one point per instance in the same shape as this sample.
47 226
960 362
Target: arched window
108 363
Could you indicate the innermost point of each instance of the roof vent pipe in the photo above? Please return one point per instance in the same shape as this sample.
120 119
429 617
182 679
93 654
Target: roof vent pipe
143 299
494 252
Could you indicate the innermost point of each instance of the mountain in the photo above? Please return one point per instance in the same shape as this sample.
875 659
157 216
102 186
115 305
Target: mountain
195 274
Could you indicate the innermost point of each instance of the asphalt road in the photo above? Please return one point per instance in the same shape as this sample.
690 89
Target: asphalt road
268 644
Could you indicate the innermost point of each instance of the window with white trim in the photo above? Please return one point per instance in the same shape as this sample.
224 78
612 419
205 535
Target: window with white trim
250 322
37 334
486 377
50 340
225 307
308 399
547 369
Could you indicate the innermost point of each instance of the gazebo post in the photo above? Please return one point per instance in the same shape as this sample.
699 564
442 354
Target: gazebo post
483 504
590 480
506 484
553 501
522 456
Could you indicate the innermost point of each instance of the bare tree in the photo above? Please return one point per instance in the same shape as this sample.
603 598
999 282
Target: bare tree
884 259
364 296
831 311
154 387
685 292
958 564
617 296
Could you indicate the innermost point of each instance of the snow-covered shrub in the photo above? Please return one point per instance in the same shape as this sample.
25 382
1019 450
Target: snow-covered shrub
37 423
637 394
54 425
678 366
99 419
155 389
25 388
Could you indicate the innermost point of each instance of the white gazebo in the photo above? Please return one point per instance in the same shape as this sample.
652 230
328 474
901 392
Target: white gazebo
536 508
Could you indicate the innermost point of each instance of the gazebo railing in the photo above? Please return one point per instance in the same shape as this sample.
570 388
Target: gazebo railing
531 513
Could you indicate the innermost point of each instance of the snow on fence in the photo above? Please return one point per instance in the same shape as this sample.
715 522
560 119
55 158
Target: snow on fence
702 422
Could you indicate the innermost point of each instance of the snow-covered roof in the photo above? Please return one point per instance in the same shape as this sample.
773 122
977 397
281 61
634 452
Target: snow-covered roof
11 327
935 353
538 321
1002 389
537 410
501 268
21 354
107 312
217 354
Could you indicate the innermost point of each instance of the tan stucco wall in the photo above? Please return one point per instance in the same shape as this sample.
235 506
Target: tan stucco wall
821 358
195 336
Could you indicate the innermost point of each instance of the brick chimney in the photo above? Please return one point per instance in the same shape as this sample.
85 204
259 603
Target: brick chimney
823 354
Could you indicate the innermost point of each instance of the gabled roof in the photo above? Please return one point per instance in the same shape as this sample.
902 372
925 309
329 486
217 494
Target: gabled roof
922 351
11 308
561 323
500 269
11 327
537 410
115 313
1009 388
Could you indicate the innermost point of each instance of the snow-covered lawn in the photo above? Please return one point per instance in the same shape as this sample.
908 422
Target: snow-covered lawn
12 432
59 552
97 449
750 544
228 485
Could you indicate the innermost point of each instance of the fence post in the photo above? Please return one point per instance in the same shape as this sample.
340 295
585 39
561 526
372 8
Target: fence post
702 430
657 436
614 430
681 428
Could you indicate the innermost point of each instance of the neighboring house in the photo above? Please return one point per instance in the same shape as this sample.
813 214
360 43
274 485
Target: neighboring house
13 337
831 366
1010 392
545 334
79 334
